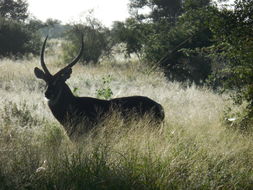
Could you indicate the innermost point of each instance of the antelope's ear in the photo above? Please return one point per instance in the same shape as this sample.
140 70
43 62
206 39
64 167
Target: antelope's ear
65 74
39 73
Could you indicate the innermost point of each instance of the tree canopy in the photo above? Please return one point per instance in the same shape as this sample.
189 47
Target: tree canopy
14 9
162 36
17 33
194 40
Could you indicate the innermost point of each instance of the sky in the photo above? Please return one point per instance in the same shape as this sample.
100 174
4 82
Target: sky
72 11
69 11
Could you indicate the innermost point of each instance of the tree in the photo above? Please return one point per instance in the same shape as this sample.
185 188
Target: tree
168 34
52 22
132 33
17 34
14 9
17 38
233 37
96 41
167 10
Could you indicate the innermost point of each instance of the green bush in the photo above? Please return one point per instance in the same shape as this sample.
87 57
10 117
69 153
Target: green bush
163 35
96 39
16 38
105 92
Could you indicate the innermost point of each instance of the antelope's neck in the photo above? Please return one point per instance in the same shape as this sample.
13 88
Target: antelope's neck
61 105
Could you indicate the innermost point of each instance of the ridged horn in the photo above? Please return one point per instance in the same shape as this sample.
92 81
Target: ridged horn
43 65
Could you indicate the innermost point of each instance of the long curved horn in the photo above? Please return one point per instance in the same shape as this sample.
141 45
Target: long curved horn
76 59
79 55
43 65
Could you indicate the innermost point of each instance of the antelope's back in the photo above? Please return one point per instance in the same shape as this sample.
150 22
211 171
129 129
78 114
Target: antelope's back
140 104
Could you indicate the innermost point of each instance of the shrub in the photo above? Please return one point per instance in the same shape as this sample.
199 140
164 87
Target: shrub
17 39
105 92
96 41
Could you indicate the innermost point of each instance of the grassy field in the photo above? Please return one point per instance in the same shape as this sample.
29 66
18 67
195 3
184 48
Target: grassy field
195 148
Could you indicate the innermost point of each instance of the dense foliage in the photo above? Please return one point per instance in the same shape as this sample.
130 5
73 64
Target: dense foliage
169 28
194 40
232 51
17 34
14 9
95 37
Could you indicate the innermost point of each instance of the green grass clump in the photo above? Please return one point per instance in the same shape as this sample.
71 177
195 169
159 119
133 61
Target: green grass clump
195 148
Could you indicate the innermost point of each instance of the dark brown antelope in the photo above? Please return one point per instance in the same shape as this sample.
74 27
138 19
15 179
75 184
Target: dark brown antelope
71 111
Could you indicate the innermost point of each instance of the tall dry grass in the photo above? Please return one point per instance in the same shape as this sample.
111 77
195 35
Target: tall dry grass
195 148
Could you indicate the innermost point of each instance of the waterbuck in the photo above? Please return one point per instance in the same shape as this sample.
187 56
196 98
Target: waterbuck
72 111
